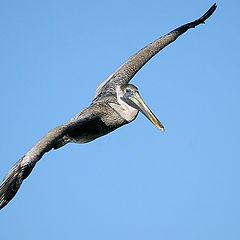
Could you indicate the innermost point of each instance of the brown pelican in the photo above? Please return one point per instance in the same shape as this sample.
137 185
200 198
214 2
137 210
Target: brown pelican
115 104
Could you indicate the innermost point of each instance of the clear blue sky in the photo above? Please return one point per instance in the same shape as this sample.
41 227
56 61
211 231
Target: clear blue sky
135 183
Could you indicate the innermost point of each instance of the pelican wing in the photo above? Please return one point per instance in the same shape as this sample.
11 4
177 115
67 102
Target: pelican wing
127 71
25 165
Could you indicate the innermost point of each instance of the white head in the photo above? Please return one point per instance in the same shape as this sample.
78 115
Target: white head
131 102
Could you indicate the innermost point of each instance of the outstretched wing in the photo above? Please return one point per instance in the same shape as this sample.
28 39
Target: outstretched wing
127 71
24 166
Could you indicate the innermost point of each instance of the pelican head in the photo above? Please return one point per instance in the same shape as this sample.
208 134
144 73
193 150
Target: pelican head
129 95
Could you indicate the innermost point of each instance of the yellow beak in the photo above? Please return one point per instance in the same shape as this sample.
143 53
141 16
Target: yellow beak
139 104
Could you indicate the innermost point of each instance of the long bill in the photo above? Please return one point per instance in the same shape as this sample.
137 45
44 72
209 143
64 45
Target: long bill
138 103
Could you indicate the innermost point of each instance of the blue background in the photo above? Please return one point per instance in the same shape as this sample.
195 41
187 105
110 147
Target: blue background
135 183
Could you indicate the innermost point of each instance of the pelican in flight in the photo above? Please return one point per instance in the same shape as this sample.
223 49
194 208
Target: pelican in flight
115 104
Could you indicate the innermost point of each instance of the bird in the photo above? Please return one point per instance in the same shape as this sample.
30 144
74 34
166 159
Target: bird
116 103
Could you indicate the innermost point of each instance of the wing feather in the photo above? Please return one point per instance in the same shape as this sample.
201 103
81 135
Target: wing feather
127 71
21 170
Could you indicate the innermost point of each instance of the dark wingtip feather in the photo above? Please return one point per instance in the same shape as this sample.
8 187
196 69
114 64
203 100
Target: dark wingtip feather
12 182
195 23
8 189
206 15
10 185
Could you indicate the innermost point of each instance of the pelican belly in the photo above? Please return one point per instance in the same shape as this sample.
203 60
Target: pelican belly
90 130
98 120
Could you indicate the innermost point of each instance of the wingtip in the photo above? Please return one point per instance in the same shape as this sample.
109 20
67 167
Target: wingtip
213 7
209 12
8 190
